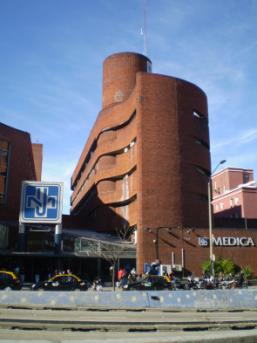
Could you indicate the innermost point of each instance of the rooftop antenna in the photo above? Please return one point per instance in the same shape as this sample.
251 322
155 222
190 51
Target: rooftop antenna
144 28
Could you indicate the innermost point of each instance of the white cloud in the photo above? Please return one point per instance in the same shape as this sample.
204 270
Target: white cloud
241 139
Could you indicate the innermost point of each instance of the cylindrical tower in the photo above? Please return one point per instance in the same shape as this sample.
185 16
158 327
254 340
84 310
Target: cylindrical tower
119 75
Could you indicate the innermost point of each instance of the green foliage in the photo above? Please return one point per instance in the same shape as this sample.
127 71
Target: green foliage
206 266
225 266
228 267
247 272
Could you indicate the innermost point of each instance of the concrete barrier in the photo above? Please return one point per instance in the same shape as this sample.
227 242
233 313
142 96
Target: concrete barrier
179 300
74 299
205 299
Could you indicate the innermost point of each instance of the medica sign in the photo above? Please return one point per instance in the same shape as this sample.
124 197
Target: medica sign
227 241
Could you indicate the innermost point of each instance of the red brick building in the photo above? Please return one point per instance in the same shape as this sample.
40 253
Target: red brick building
234 194
19 160
146 162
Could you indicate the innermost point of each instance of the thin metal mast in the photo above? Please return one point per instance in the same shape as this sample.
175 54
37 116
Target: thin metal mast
145 27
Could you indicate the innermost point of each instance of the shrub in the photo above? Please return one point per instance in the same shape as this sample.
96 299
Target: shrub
225 266
228 267
247 272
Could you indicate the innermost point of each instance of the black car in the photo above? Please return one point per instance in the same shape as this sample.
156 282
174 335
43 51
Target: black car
62 282
9 280
150 282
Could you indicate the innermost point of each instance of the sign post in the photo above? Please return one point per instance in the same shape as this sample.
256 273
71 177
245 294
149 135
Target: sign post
22 237
41 203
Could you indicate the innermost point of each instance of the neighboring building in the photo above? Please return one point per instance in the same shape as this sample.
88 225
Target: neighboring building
17 163
146 162
19 160
37 150
234 194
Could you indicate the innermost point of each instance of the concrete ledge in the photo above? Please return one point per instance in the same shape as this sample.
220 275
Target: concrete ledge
200 300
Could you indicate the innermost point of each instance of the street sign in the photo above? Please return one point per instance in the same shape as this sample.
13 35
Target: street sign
41 202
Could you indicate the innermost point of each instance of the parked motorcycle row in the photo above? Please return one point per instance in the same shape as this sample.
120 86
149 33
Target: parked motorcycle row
213 283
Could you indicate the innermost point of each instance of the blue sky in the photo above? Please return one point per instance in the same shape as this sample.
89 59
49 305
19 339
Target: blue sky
51 55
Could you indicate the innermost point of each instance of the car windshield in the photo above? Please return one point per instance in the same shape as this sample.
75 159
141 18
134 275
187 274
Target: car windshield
65 279
5 277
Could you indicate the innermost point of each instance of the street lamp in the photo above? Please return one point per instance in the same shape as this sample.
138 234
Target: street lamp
210 215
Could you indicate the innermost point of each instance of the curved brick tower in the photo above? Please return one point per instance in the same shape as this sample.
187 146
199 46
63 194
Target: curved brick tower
147 160
119 76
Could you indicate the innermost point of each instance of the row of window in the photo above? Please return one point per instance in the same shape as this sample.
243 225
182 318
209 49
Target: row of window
94 168
94 146
233 202
4 167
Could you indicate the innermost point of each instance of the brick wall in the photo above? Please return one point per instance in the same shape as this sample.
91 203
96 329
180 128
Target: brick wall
146 161
21 167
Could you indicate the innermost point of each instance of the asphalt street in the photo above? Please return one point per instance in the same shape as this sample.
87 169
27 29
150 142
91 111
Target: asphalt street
126 326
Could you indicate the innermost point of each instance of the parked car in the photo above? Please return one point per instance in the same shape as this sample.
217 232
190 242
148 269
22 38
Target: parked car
9 280
62 282
150 282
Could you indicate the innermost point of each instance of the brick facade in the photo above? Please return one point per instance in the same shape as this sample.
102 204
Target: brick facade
234 194
20 166
37 150
194 254
146 162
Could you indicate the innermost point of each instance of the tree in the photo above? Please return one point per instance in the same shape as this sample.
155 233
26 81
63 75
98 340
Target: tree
113 252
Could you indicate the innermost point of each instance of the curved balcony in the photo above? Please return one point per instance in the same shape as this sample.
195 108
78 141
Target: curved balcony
123 138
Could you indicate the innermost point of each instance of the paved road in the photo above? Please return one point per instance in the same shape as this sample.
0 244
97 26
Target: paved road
149 326
127 337
133 316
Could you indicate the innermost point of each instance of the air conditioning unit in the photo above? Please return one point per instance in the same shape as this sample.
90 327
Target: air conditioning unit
165 268
177 267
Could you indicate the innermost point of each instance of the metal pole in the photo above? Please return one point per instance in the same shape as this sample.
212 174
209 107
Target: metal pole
210 215
22 237
58 238
210 226
157 243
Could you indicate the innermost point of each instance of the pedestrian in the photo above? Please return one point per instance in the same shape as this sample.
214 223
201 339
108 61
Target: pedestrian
124 278
119 275
37 277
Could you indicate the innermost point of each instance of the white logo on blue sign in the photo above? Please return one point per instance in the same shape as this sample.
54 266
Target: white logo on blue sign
203 241
41 202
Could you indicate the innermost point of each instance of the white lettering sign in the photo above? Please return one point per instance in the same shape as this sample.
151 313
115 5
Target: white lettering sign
227 241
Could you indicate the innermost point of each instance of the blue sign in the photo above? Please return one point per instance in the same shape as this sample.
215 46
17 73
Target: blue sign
41 202
203 241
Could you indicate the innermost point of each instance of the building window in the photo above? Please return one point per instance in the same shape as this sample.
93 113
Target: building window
202 171
201 142
132 144
221 205
245 178
198 114
236 201
149 67
4 167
